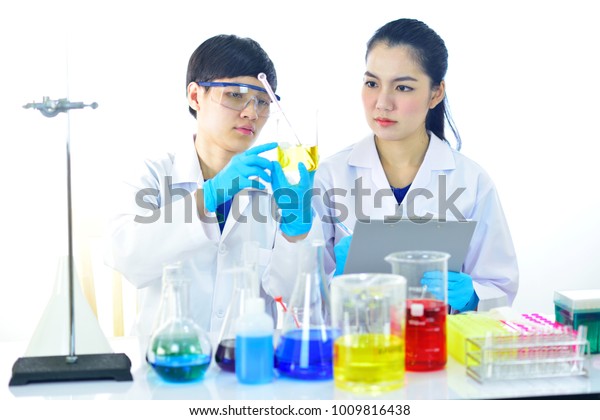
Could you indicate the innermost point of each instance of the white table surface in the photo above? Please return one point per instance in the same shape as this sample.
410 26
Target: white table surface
450 383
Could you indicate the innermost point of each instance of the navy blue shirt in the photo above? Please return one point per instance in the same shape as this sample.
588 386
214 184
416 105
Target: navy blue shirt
400 193
222 212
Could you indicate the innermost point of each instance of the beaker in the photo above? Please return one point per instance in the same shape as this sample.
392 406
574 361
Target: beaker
291 151
305 347
179 349
426 273
242 280
369 311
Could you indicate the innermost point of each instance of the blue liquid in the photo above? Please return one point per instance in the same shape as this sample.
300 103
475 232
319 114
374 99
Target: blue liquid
254 359
178 358
225 355
181 368
306 359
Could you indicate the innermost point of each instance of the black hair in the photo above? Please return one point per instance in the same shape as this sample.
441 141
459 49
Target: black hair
228 56
429 50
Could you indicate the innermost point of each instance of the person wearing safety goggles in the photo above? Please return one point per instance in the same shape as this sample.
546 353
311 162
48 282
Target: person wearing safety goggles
201 204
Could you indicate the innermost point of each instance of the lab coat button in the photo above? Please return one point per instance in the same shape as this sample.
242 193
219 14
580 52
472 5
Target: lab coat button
220 313
223 249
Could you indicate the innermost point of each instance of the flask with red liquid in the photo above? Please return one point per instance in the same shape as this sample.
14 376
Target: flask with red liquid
242 280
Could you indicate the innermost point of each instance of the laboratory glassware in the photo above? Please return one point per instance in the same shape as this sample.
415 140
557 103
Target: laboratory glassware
528 354
503 345
250 260
426 273
291 150
241 278
179 349
305 347
369 310
254 344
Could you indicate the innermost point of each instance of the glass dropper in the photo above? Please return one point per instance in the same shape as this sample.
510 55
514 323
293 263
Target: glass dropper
263 79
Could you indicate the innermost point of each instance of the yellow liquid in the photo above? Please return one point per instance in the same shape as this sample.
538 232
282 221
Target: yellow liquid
289 157
369 362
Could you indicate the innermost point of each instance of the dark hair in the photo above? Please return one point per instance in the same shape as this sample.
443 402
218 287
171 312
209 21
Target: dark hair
429 50
228 56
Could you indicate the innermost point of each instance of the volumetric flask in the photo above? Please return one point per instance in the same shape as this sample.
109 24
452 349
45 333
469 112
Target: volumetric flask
242 280
369 311
179 349
426 273
305 347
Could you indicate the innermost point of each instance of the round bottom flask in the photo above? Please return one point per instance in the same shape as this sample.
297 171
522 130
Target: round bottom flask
179 349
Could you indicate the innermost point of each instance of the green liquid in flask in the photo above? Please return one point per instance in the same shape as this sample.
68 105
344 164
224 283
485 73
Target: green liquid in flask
369 363
179 359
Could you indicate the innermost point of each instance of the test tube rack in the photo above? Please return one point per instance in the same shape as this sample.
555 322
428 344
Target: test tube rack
528 353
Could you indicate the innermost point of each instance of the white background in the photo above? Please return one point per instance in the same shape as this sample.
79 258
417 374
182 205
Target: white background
522 85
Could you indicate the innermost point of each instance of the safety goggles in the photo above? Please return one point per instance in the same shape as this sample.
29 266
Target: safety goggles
237 96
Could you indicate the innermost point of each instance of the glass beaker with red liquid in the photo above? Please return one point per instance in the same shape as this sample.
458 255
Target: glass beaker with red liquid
426 273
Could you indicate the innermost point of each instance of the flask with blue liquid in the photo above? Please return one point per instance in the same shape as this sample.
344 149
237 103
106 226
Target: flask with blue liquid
305 347
179 349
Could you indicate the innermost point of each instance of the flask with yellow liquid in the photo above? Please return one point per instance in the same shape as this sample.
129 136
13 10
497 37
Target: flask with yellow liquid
291 150
289 155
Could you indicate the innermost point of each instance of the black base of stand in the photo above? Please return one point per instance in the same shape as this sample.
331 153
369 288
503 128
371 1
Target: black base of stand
115 366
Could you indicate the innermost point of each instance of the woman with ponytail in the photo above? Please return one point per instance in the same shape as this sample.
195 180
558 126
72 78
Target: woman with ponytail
407 168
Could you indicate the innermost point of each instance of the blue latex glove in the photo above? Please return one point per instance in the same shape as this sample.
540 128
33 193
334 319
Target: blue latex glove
341 254
461 295
236 176
294 200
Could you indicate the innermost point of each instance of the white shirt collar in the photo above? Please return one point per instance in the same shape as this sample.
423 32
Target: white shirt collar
439 155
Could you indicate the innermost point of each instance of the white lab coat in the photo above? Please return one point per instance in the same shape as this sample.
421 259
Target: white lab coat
491 259
139 250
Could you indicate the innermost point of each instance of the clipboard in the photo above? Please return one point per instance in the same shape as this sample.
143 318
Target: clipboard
374 239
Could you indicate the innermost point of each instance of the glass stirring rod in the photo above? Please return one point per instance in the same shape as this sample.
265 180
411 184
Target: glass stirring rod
263 79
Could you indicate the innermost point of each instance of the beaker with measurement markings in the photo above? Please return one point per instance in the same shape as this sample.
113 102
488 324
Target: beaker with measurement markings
369 311
426 273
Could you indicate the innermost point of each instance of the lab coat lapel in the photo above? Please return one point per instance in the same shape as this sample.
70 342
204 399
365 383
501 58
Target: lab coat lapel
242 201
438 157
187 174
186 167
381 201
238 209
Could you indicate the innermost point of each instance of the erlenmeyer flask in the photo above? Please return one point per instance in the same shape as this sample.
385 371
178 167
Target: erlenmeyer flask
242 278
305 348
179 349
